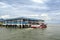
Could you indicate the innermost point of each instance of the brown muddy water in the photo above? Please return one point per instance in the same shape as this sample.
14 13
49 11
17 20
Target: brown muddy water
52 32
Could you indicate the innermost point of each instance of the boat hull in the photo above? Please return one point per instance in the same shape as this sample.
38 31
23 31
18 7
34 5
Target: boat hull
40 26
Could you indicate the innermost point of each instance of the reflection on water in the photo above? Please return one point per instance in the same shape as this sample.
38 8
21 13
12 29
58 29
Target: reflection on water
50 33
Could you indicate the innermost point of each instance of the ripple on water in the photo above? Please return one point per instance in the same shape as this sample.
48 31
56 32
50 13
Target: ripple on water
50 33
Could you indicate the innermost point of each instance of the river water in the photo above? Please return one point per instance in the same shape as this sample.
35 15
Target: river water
52 32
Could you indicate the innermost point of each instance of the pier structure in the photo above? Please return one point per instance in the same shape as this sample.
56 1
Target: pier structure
21 22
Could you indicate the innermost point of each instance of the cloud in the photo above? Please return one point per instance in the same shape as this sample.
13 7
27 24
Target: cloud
6 9
31 16
39 1
34 6
5 16
4 5
19 10
45 17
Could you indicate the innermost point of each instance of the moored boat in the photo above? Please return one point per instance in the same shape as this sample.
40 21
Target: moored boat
42 25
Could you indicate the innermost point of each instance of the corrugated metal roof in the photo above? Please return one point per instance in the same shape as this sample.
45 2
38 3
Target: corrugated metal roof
24 18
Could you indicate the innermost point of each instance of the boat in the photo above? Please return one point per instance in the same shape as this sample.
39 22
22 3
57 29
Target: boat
42 25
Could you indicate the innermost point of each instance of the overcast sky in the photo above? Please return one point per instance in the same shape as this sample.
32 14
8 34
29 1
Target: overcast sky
48 10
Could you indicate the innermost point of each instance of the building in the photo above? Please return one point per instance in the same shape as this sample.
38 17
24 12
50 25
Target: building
21 22
1 22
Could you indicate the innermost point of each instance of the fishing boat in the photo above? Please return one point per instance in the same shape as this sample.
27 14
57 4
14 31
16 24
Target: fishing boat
42 25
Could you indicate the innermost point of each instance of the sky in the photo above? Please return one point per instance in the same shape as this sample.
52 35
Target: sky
48 10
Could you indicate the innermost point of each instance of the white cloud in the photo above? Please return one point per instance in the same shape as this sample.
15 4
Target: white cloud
5 16
4 5
20 9
31 7
45 17
58 13
31 16
39 1
36 6
23 10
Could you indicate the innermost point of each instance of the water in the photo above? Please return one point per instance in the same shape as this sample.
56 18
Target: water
52 32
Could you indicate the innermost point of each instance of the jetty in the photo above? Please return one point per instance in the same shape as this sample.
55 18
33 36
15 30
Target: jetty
20 22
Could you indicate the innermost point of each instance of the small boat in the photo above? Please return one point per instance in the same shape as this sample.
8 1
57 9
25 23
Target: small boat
42 25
